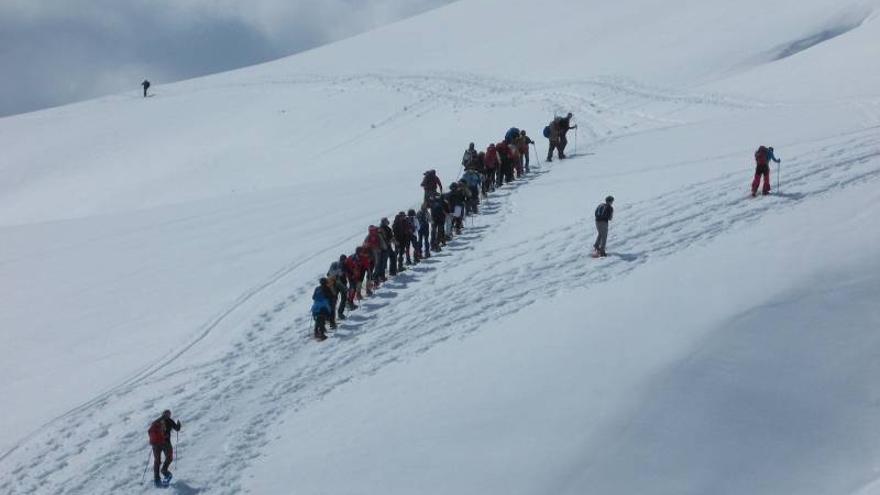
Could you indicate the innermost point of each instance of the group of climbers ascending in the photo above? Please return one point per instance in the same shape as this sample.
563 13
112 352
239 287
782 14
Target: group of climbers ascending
412 236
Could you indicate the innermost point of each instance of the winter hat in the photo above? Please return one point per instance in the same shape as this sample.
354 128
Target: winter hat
609 199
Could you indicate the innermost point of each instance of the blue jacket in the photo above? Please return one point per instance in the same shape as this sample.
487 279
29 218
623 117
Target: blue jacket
320 304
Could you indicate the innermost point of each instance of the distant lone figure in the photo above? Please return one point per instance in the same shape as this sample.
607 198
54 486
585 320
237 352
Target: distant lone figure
762 169
146 85
160 441
604 212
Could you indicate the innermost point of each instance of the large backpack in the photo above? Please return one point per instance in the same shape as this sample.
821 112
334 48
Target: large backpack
762 156
511 134
157 433
547 131
602 212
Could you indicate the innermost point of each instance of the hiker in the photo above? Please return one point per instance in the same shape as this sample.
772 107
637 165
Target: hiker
491 164
457 200
414 228
430 183
402 229
604 212
474 181
556 134
339 284
470 157
375 250
160 441
505 172
438 223
355 277
387 235
321 309
762 169
423 244
146 85
522 145
564 127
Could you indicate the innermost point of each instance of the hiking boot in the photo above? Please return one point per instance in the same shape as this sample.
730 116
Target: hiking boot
340 316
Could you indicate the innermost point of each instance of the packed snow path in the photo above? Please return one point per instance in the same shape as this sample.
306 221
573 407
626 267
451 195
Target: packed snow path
230 402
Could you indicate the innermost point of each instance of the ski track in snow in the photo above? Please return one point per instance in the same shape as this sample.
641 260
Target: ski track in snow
230 402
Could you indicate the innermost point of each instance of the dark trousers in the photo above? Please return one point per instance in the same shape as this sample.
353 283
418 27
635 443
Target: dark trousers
321 323
158 450
403 250
563 142
391 256
423 244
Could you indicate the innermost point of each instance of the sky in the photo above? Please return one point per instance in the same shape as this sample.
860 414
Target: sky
55 52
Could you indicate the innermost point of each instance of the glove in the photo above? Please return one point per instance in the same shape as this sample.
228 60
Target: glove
178 424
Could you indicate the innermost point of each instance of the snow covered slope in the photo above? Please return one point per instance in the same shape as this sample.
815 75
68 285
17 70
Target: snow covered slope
160 252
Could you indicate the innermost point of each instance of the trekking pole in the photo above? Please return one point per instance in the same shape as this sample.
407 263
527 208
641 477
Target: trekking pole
149 454
575 140
177 441
538 158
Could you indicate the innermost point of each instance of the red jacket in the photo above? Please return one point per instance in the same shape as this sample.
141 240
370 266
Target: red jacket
372 240
352 268
491 160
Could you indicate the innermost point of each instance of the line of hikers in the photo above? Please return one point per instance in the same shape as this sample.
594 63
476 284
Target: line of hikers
413 235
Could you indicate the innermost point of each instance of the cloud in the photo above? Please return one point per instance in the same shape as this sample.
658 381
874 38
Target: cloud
58 52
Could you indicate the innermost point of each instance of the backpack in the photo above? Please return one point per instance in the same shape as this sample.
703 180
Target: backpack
601 212
157 433
762 156
547 131
511 134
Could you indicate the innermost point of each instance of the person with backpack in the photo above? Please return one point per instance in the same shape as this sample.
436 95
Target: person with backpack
423 244
367 264
469 159
564 127
604 213
491 164
505 172
146 85
438 223
388 245
474 181
339 283
457 201
321 309
431 183
522 145
355 277
160 441
556 132
414 227
402 229
763 156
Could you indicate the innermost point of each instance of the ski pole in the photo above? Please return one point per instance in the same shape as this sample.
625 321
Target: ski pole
149 454
575 140
538 158
177 441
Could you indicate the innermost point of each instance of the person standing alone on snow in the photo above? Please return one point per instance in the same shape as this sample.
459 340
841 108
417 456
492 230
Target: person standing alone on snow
762 169
160 441
604 212
146 85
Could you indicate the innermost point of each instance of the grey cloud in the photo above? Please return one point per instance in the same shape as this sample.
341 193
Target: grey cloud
58 52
